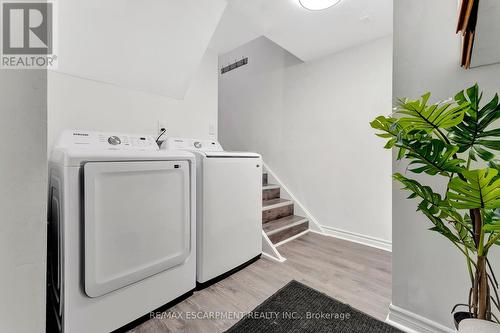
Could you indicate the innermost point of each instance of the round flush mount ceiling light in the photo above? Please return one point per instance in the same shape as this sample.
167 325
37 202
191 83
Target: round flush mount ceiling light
318 4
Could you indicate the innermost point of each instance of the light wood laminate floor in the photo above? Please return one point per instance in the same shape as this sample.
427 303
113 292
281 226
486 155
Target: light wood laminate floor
349 272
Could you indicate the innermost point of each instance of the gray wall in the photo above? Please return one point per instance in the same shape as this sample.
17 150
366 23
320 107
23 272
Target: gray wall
310 121
429 274
23 176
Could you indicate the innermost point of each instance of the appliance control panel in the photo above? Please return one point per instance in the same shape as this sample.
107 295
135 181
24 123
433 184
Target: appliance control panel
192 144
108 141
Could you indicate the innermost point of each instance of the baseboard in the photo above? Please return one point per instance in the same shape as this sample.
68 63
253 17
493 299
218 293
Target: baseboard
270 257
357 238
269 250
412 323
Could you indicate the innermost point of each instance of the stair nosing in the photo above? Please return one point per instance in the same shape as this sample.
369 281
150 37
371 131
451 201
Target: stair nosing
286 240
291 225
278 205
270 187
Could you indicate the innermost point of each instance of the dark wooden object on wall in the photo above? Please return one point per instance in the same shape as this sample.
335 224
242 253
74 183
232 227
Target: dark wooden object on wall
467 20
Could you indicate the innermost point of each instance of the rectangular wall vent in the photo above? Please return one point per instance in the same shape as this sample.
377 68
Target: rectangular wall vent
234 65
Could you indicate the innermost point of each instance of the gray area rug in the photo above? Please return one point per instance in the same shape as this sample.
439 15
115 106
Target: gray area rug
299 308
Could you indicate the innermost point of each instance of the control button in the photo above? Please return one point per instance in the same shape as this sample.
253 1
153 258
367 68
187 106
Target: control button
114 140
197 144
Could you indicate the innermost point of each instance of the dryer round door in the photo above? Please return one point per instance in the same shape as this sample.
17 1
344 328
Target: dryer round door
137 221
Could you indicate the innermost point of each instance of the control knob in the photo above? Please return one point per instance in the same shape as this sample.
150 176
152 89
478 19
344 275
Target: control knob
114 140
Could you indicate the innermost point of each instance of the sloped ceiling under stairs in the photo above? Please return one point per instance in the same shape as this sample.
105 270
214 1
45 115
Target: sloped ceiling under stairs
152 45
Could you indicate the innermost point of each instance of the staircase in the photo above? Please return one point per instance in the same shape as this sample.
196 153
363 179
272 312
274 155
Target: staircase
278 219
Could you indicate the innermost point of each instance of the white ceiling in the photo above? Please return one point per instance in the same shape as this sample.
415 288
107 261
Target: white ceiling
306 34
154 46
234 30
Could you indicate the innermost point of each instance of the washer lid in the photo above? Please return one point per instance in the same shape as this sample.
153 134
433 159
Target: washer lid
230 154
197 145
207 148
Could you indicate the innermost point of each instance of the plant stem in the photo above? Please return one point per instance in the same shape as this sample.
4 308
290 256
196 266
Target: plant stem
469 266
475 295
481 251
475 215
483 289
441 135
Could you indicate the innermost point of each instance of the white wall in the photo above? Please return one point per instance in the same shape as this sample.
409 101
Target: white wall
23 191
84 104
310 121
429 274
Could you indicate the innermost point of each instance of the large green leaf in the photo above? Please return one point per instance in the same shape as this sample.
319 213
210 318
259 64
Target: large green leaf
465 232
441 228
434 157
491 219
431 206
462 235
419 115
387 125
390 129
431 201
436 209
424 192
495 165
472 133
491 225
480 189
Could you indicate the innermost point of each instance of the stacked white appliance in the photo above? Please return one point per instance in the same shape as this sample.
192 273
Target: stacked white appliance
121 229
229 208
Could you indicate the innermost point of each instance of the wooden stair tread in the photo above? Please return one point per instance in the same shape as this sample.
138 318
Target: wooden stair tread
283 223
274 203
284 234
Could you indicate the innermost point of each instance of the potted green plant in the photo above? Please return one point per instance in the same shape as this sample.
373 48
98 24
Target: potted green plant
456 139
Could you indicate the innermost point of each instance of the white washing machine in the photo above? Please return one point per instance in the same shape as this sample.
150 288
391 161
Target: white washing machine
229 208
121 229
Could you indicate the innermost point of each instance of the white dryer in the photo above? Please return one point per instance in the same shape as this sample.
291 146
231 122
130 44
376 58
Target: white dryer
229 208
121 229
